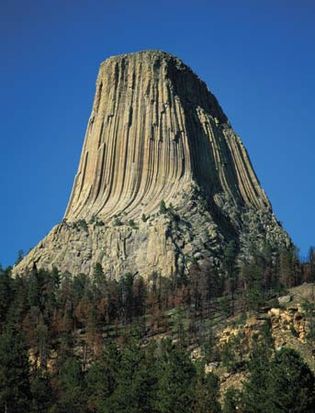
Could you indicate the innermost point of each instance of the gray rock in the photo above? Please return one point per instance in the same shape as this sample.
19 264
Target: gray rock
284 299
182 151
198 255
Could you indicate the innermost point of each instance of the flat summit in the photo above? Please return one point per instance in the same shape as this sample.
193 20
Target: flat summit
163 180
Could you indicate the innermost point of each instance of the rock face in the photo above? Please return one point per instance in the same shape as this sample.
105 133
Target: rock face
162 180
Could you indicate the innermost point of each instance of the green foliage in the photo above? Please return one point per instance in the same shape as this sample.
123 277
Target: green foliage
81 223
163 208
71 387
241 319
117 222
98 273
93 219
309 309
132 224
99 223
96 221
135 380
144 217
149 380
287 267
178 327
55 314
126 296
279 384
42 393
101 378
253 277
15 393
175 391
209 346
232 400
232 353
206 393
6 294
224 305
256 391
291 383
311 258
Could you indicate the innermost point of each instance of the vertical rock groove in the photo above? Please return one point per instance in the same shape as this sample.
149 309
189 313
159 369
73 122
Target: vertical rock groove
157 133
154 129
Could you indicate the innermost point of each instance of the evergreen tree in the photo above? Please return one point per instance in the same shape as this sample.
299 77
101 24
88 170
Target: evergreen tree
135 379
6 294
256 389
71 387
101 378
287 268
18 306
42 394
126 291
282 384
175 390
291 383
163 208
311 258
206 392
252 275
232 401
14 372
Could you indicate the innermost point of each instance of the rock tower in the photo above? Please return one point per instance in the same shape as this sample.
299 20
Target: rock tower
163 179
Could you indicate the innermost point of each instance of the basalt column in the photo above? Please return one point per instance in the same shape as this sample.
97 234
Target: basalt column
156 135
155 128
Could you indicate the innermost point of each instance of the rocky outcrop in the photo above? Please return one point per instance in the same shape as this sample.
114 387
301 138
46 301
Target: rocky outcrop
288 322
154 129
163 179
289 325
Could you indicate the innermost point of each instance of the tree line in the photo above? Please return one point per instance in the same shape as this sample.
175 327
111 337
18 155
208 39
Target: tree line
157 378
65 340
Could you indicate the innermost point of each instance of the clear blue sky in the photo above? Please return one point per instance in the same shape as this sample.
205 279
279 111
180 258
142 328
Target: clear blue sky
257 57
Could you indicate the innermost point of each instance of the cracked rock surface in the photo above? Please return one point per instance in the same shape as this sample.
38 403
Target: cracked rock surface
157 133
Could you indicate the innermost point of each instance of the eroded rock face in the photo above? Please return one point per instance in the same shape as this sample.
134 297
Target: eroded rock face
154 129
156 133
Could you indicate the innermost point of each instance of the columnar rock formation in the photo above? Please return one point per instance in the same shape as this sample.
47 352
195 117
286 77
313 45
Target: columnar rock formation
157 135
154 129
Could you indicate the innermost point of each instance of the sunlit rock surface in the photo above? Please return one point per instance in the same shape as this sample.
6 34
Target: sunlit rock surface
156 135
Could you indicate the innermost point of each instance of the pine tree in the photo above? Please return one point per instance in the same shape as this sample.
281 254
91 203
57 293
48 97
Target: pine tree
311 257
6 294
42 394
252 275
232 401
175 391
282 384
256 389
14 372
163 208
287 268
71 387
98 274
135 379
206 392
291 383
127 302
101 378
